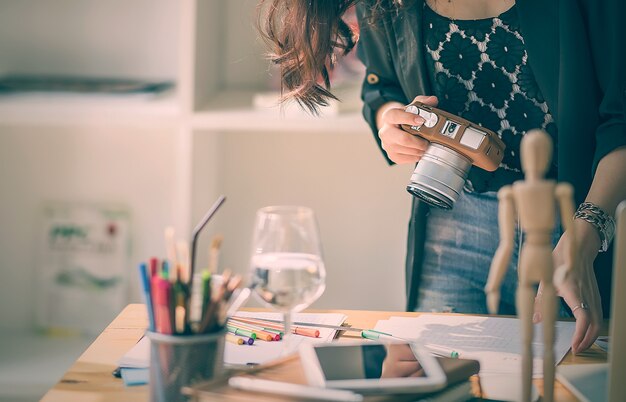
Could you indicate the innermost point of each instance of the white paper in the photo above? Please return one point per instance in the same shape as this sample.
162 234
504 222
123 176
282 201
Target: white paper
494 341
138 356
261 351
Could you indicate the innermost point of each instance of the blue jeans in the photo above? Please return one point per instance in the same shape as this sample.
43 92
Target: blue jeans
460 244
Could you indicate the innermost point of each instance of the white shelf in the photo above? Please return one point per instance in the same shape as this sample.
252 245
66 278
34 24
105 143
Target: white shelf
67 109
234 111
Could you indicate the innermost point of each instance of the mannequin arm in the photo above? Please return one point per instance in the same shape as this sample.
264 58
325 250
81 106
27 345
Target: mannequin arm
500 262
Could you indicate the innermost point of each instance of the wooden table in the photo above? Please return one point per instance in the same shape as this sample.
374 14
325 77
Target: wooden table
90 378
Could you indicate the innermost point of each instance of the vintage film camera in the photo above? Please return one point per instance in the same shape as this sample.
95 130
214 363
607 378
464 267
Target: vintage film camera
455 144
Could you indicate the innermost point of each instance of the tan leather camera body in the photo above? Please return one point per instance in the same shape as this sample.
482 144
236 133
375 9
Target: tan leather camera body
480 145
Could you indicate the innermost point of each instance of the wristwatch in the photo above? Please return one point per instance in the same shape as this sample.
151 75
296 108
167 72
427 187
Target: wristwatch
600 220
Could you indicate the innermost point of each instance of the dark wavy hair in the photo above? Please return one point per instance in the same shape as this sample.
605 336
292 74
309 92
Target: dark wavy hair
305 37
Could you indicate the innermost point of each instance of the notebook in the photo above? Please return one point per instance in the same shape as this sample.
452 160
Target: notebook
605 382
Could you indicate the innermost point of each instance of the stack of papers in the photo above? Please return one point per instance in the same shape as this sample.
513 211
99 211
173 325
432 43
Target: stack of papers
134 364
494 341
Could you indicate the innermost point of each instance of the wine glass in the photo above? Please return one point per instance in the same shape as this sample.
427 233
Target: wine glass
288 271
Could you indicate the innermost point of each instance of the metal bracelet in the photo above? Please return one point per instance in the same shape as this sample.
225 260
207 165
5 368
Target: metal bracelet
600 220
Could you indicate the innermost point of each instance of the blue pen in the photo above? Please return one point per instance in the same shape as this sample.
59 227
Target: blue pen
145 285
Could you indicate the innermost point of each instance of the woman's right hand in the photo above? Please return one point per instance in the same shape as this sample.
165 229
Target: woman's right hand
402 147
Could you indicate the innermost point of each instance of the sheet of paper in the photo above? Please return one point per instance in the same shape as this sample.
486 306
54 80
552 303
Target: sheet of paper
494 341
138 356
261 351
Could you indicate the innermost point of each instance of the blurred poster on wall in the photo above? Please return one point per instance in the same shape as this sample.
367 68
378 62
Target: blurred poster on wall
83 266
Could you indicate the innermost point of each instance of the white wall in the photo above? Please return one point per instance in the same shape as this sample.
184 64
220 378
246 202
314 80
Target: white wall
360 201
112 38
133 167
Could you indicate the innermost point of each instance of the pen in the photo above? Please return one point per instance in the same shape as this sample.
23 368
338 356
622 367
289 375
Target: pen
377 335
442 351
144 275
295 390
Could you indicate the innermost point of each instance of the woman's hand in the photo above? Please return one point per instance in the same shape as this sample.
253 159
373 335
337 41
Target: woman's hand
579 286
401 362
402 147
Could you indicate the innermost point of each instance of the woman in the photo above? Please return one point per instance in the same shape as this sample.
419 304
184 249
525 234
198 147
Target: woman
510 66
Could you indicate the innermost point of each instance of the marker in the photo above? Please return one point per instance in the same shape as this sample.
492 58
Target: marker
260 334
179 295
144 276
154 270
442 351
274 331
249 341
374 335
204 295
235 339
162 301
312 332
303 324
165 270
238 331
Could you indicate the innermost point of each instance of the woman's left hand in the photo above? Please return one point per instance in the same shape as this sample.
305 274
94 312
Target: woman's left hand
580 288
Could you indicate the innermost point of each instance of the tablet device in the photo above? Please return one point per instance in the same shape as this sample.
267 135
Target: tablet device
372 367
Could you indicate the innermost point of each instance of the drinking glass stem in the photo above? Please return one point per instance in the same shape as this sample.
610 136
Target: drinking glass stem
288 336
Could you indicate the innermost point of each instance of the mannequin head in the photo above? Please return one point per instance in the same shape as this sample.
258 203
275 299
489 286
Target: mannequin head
536 154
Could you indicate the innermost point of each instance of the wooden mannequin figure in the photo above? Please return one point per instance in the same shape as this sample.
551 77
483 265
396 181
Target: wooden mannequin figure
534 202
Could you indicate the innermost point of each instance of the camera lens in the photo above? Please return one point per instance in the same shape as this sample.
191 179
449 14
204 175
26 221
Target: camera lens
439 176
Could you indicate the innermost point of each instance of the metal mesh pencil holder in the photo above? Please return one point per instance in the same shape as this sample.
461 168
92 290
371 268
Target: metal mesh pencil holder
181 360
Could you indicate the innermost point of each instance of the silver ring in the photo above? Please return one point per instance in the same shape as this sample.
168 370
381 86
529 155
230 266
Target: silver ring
582 306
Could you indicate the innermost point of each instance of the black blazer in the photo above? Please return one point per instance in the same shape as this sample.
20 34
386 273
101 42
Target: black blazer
578 55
